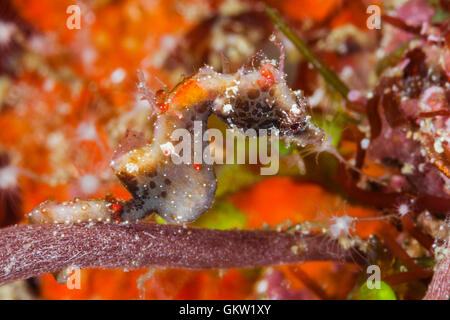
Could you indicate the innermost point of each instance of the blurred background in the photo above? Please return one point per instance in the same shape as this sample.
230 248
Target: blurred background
68 93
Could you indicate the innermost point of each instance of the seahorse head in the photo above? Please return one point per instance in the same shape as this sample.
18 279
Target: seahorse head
260 98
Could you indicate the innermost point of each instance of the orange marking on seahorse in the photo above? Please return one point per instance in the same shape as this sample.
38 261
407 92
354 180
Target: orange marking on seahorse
163 107
268 77
189 94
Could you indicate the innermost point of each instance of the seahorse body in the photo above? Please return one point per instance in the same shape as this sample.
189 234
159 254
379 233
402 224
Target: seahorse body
247 99
256 98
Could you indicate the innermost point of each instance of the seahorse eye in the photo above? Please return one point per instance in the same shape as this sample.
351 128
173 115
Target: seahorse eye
298 128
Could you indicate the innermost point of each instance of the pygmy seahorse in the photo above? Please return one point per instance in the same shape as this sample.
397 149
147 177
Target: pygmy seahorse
251 98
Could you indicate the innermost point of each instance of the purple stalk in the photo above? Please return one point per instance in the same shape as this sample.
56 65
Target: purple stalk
439 288
31 250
